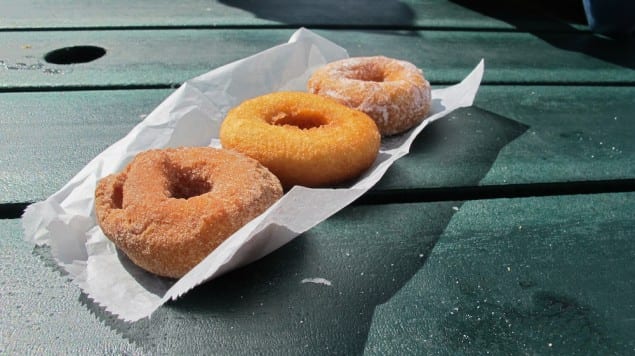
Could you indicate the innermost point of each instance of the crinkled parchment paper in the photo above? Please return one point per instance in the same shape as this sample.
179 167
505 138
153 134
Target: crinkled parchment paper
191 116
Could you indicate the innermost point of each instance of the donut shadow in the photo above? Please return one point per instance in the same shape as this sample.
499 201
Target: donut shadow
318 293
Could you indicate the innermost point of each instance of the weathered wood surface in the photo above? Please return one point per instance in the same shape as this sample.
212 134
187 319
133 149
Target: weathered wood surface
165 58
527 275
520 276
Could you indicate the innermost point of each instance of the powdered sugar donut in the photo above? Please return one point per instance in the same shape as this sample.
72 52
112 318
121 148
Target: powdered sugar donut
392 92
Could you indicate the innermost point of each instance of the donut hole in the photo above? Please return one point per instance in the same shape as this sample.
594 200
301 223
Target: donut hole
367 73
303 120
117 197
372 76
185 185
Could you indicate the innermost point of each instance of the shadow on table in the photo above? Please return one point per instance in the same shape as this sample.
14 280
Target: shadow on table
554 22
330 13
317 294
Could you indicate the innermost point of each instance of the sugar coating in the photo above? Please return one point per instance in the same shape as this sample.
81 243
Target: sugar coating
392 92
304 139
168 209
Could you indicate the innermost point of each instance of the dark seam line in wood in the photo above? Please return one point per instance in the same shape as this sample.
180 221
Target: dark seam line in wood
426 195
28 89
626 83
368 27
422 195
12 210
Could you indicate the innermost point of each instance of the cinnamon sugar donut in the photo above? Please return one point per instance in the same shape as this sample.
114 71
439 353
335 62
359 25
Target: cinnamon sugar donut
170 208
393 92
304 139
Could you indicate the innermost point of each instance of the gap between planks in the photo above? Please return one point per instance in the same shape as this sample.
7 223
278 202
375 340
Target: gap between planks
61 88
343 27
426 195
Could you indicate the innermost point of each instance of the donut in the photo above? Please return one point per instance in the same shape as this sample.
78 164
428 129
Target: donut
304 139
169 208
393 92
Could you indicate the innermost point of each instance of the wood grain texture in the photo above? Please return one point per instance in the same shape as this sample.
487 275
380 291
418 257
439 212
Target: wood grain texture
165 58
535 271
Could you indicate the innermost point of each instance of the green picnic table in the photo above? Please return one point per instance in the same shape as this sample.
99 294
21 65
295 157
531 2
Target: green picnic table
508 229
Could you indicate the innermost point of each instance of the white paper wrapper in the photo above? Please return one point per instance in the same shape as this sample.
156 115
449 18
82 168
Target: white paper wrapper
191 116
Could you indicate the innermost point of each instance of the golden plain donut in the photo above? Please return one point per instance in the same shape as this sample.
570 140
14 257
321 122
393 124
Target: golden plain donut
393 92
304 139
168 209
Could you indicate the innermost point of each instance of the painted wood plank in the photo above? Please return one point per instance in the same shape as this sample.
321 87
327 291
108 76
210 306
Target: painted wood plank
42 312
522 276
497 14
536 271
165 58
525 135
47 137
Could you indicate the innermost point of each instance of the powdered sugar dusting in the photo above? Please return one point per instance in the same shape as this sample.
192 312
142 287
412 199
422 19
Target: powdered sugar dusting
392 92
